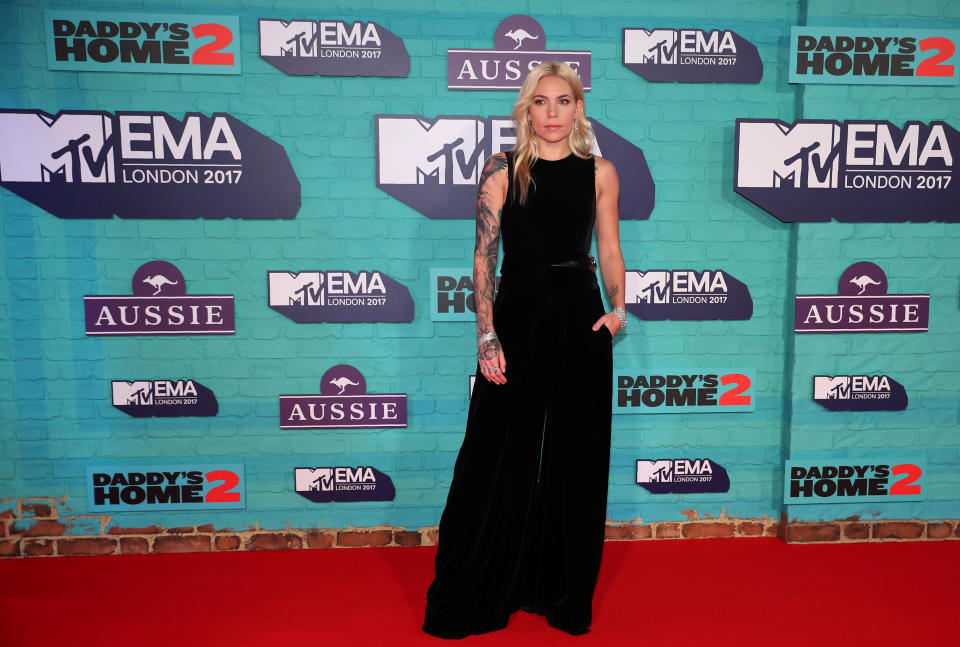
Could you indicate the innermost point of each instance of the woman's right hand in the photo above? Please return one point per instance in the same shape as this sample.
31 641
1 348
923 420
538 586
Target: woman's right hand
493 364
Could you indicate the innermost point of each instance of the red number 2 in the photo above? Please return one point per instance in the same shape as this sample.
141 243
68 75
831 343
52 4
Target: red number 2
733 395
220 494
210 53
904 485
934 66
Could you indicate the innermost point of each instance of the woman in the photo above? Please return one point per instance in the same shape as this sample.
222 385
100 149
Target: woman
524 522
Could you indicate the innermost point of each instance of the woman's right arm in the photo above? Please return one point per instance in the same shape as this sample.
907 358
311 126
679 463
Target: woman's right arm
491 195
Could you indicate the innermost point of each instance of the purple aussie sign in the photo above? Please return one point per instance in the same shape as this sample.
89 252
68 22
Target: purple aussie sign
343 403
682 476
862 305
686 295
159 305
433 165
519 46
859 393
339 297
92 164
857 171
332 48
163 398
691 55
326 484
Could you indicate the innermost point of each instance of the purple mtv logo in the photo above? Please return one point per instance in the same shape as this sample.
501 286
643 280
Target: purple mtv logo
687 295
339 297
862 305
159 305
682 476
859 393
691 55
326 484
343 402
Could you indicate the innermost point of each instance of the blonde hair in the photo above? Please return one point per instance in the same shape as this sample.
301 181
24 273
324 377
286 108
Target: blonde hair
525 150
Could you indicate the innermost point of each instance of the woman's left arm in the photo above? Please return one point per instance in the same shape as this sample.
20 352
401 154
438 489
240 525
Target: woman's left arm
608 243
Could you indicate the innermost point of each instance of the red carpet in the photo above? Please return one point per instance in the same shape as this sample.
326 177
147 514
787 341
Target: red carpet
743 592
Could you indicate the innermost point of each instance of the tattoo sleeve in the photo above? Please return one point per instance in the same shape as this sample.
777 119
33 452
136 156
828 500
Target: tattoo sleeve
485 254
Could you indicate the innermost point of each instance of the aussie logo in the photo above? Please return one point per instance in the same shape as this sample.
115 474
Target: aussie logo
343 402
133 42
91 164
867 55
854 480
332 48
326 484
127 488
855 171
163 398
862 305
693 391
519 46
685 295
691 55
681 476
433 166
452 295
859 393
338 297
159 305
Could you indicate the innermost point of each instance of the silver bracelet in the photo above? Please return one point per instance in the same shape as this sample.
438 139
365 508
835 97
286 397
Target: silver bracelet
485 337
621 315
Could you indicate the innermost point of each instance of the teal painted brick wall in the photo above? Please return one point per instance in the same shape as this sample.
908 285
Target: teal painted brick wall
54 382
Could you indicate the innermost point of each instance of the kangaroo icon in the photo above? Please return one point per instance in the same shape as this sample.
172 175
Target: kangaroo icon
158 282
519 35
343 383
862 282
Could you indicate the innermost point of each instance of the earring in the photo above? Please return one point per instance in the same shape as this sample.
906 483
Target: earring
576 125
529 123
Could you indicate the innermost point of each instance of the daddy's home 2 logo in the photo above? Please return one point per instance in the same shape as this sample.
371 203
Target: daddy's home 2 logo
686 295
684 391
100 41
93 164
434 165
343 402
862 305
854 480
159 305
452 295
326 484
691 55
163 398
332 48
859 393
520 44
856 171
875 56
339 297
187 486
681 476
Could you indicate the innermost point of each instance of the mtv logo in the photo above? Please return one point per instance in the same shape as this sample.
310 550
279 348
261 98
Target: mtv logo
772 153
282 38
413 150
831 388
655 47
127 393
313 480
648 287
38 147
654 471
293 289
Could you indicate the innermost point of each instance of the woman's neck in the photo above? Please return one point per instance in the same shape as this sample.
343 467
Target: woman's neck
552 151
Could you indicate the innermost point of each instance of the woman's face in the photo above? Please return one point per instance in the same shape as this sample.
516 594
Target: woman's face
553 109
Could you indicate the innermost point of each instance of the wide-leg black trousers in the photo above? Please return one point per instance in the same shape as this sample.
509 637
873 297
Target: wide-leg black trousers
524 521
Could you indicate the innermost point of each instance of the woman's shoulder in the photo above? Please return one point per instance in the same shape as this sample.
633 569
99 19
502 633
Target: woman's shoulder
604 168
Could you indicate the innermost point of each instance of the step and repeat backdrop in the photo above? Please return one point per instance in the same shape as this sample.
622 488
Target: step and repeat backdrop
237 244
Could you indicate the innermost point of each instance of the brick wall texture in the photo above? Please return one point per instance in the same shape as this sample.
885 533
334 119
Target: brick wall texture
55 410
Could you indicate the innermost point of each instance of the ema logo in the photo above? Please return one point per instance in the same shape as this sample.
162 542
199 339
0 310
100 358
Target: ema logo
859 393
691 56
853 480
91 164
686 295
434 165
128 488
681 476
519 46
332 48
855 171
343 403
163 398
862 305
695 391
453 298
876 56
120 42
326 484
339 297
159 305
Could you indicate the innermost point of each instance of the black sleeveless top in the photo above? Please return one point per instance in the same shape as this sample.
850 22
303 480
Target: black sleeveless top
555 225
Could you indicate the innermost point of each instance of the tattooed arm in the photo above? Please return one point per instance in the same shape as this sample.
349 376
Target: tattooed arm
491 194
608 240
